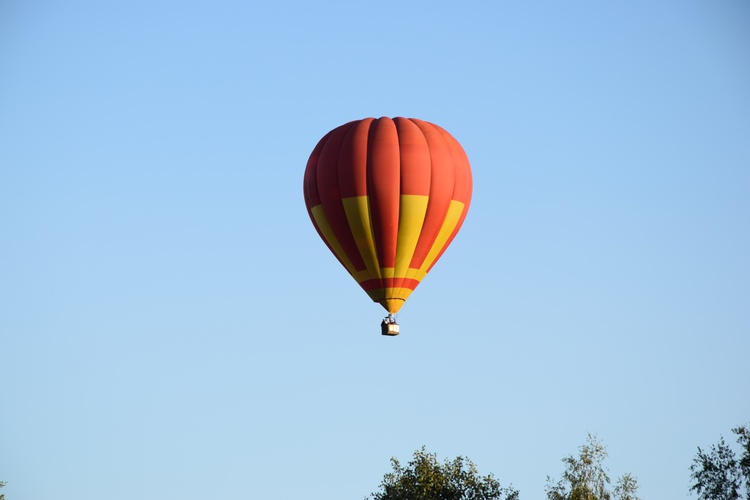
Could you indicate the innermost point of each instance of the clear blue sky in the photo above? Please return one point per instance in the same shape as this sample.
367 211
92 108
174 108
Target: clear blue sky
171 326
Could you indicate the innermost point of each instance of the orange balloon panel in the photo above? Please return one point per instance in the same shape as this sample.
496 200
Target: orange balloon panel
388 196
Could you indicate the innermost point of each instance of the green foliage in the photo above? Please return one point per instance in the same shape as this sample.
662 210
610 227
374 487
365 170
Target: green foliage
585 477
424 478
626 487
2 495
717 474
743 438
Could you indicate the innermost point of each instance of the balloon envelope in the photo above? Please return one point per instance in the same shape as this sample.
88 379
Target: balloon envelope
388 196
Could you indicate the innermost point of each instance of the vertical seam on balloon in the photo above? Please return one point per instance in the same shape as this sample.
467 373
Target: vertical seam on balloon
394 283
368 191
341 199
368 230
432 177
398 205
401 284
371 227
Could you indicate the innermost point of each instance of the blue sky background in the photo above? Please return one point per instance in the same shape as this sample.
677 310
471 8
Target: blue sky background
171 326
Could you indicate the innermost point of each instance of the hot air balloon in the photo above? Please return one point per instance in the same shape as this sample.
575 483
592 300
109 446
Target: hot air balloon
387 196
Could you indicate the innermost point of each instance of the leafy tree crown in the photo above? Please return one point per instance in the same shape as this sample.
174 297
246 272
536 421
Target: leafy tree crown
425 478
586 478
717 473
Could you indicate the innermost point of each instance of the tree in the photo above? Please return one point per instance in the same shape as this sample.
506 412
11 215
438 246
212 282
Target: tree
424 478
743 438
2 495
585 477
626 487
718 474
